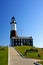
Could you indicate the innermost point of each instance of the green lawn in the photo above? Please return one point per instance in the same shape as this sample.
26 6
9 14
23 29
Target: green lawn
34 55
3 55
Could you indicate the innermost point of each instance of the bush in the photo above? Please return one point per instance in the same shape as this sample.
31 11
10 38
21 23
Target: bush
38 55
32 50
2 48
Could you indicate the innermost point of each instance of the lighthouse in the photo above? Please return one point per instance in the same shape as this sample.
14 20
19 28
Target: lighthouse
16 40
13 32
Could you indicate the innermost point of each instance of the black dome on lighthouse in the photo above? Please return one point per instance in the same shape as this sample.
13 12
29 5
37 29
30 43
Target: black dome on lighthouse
13 20
13 17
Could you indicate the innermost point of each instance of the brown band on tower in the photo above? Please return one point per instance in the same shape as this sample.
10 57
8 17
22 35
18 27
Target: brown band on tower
13 33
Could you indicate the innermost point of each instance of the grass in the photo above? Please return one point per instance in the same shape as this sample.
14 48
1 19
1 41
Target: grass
34 55
3 55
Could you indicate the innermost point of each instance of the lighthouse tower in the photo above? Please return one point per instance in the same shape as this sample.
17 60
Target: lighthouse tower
13 32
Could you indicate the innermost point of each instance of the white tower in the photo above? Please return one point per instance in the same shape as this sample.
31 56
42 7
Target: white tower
13 31
13 27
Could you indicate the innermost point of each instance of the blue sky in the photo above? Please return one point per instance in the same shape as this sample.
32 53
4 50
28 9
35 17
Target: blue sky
29 17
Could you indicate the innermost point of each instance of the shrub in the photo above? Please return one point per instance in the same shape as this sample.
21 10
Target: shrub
38 55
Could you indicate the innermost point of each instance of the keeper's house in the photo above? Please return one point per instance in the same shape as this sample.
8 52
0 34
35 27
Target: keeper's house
16 40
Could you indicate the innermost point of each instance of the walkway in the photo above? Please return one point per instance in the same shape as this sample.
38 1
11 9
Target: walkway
15 59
